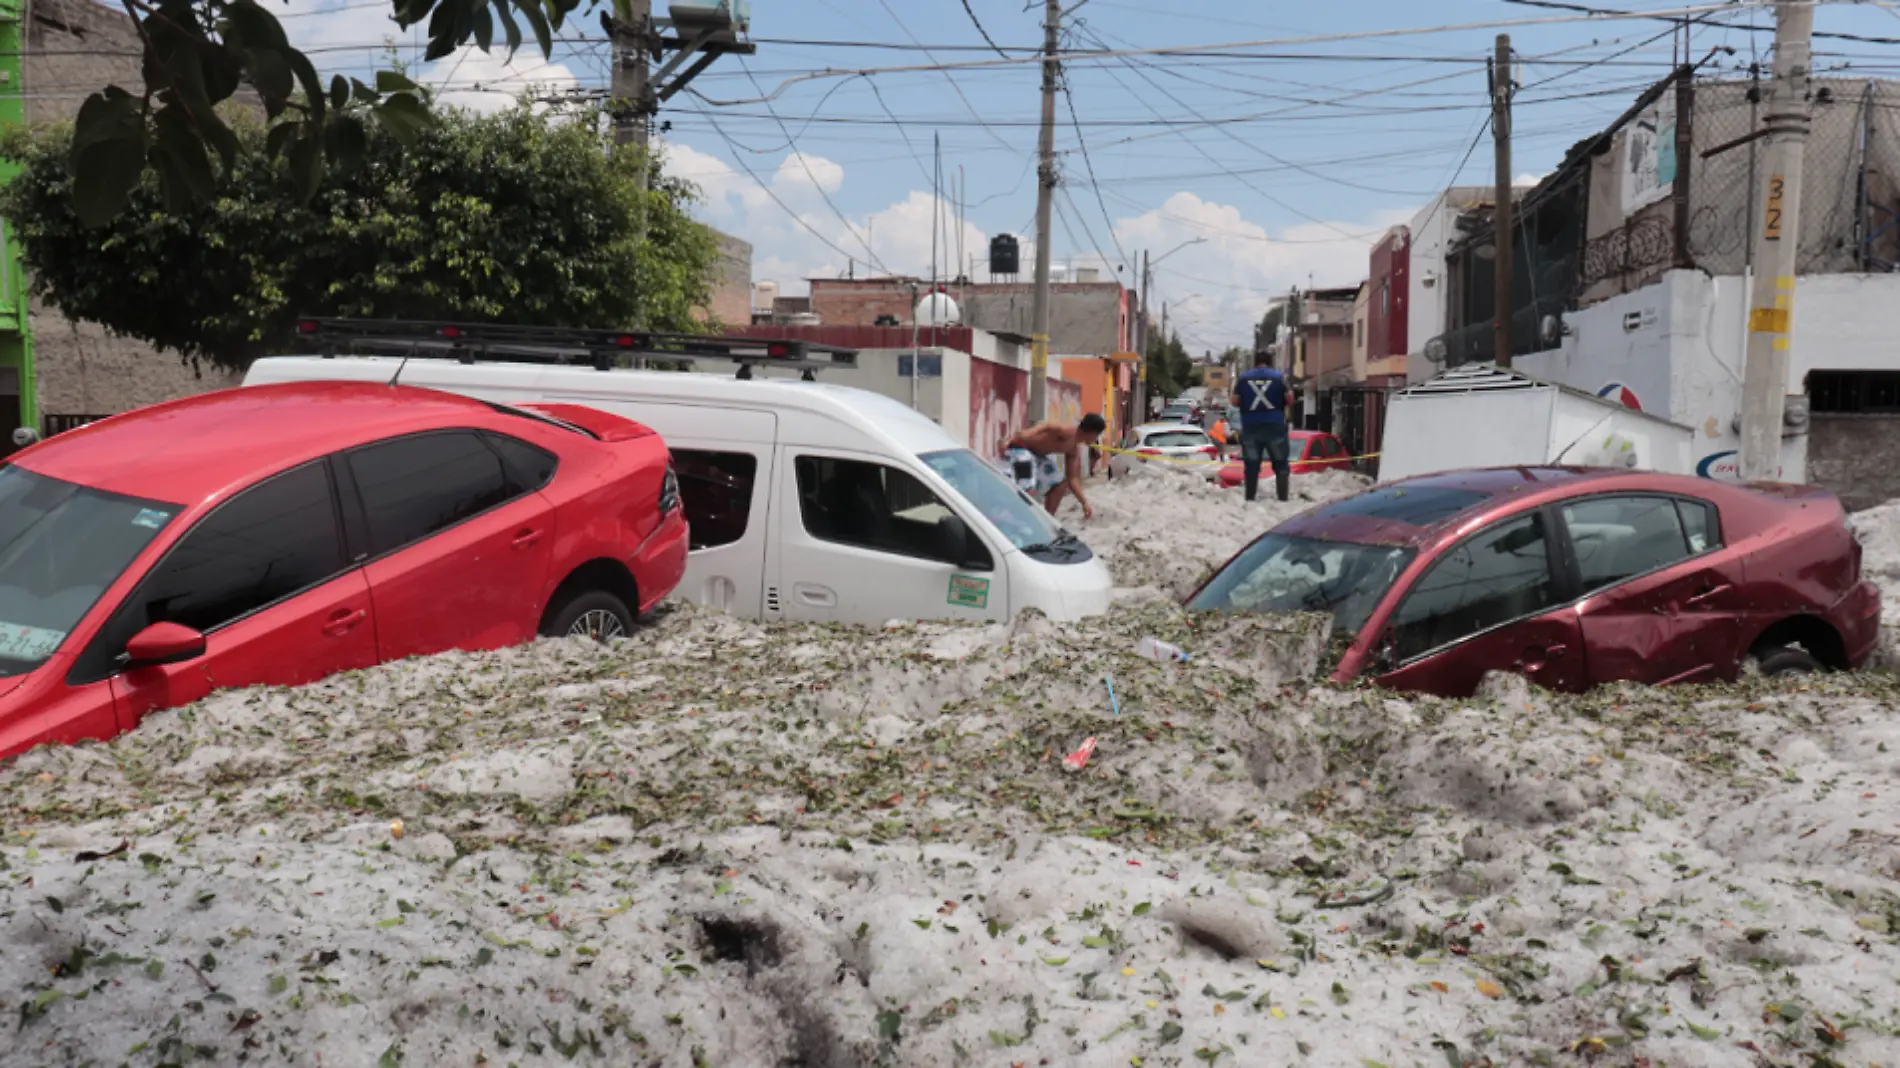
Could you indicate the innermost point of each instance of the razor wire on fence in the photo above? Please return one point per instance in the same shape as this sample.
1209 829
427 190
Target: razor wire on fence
1850 195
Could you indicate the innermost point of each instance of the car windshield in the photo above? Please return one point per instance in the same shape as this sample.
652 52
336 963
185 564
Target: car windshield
1176 439
1020 520
61 545
1281 573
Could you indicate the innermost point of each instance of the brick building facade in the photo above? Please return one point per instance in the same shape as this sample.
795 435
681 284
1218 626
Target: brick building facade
1085 318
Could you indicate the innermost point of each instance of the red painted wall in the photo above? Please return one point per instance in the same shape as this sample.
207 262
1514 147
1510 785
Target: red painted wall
1386 310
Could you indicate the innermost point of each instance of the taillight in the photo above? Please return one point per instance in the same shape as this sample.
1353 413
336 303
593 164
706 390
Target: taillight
1146 451
1209 450
669 491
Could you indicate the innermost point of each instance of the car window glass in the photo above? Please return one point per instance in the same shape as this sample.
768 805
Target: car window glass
1334 449
528 468
273 540
872 506
1176 439
1698 524
716 489
1618 538
413 487
1498 576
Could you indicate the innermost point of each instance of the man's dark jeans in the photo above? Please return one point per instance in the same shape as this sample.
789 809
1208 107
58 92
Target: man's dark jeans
1269 441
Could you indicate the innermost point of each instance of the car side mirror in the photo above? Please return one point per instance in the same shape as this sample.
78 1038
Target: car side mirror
953 544
1385 654
163 643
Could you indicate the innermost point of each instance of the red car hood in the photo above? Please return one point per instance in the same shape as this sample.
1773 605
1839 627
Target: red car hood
8 685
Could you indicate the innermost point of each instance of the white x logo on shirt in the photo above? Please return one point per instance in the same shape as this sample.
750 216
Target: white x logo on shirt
1262 399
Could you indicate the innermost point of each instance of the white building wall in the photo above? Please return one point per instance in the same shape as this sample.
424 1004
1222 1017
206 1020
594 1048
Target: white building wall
1433 231
1678 347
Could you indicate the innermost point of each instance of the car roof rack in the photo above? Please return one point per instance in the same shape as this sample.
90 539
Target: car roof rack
600 349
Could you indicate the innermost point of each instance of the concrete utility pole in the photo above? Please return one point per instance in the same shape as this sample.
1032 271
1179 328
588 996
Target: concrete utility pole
1501 215
699 33
1771 305
1141 350
631 89
1045 199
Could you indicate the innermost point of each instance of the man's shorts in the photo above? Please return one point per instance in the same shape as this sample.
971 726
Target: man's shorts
1035 474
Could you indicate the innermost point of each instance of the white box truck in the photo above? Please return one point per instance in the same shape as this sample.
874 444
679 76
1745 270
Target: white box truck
1481 415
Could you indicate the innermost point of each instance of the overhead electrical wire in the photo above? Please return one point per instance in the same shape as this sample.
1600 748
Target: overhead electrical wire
1094 183
1359 35
974 21
739 158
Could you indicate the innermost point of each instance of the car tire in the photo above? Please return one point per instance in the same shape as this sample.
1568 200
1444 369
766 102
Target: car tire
594 614
1786 661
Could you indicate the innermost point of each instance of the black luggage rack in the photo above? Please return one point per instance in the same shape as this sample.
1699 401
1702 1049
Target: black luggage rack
602 350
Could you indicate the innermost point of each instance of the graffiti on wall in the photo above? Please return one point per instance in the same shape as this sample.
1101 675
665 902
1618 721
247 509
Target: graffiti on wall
1065 401
999 404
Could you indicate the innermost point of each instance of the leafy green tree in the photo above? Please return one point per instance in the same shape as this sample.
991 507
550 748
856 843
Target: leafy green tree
197 55
1170 369
511 218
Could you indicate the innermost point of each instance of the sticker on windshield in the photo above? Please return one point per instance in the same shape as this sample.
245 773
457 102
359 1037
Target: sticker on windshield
30 643
150 518
968 591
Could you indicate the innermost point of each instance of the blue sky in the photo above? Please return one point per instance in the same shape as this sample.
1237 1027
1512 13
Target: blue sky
1287 159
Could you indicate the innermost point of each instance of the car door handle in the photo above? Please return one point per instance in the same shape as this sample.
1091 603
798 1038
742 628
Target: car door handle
1708 595
344 622
1534 659
816 596
526 538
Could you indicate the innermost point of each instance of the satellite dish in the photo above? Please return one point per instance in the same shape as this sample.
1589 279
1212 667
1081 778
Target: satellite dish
1435 350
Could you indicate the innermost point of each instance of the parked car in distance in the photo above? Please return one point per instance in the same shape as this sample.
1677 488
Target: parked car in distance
1179 413
1169 442
1309 450
276 535
1569 576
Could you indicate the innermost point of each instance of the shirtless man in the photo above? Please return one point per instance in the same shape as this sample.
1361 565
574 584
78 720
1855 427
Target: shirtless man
1046 460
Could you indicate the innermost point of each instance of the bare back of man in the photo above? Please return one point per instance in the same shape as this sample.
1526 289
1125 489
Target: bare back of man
1047 440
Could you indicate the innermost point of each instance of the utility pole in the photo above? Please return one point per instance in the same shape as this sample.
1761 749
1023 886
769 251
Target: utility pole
1141 365
1771 305
631 90
1502 221
1045 199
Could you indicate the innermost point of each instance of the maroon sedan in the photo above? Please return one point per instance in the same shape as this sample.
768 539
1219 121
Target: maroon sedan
1571 577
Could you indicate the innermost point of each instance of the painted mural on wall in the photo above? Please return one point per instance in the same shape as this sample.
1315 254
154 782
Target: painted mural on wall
999 404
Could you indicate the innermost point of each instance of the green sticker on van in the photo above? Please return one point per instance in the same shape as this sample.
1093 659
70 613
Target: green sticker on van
968 591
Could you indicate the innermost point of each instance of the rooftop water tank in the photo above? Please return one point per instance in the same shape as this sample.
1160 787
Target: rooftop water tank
937 309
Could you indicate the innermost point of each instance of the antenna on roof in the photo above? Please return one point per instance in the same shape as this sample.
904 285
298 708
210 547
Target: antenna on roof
399 369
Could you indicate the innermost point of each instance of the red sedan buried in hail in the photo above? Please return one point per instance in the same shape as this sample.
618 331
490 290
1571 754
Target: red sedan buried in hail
1571 577
1309 450
279 534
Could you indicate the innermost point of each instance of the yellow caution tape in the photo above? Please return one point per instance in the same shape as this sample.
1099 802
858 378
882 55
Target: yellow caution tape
1145 456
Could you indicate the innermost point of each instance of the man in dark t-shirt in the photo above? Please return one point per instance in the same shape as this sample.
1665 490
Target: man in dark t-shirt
1260 394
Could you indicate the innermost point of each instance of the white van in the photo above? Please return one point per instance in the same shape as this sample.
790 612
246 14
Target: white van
807 501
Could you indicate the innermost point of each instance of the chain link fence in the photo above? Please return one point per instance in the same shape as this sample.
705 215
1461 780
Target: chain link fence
1850 196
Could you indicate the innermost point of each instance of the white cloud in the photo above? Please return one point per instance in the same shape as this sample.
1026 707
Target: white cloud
1217 289
1527 179
488 82
801 170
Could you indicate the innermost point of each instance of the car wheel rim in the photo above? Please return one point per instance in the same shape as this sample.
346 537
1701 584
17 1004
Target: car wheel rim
599 624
